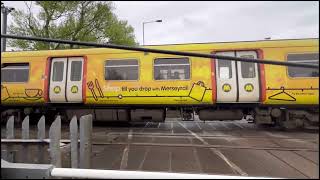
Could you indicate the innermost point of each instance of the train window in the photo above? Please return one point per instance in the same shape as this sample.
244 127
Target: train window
121 70
15 72
171 69
248 69
225 69
307 58
57 74
76 69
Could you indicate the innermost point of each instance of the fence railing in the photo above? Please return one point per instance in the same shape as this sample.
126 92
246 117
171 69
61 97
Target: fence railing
78 146
45 171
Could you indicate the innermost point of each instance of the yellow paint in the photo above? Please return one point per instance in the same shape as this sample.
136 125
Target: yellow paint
57 89
226 87
197 91
248 87
148 91
74 89
25 93
277 77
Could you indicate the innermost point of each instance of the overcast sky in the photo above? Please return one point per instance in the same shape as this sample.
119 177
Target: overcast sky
205 21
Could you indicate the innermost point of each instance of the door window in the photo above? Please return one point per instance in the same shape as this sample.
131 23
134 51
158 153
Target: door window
225 69
247 68
57 74
76 69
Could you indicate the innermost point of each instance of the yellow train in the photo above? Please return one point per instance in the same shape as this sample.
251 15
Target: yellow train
119 85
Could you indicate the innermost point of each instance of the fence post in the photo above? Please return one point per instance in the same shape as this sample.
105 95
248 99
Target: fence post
74 142
85 141
41 128
9 154
55 136
10 128
41 135
25 128
25 135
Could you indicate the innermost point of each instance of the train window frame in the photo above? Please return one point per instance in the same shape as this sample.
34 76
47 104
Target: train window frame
230 72
254 67
81 72
287 68
166 80
65 65
104 69
24 82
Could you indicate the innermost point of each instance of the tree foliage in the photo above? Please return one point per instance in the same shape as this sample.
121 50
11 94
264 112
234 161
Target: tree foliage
91 21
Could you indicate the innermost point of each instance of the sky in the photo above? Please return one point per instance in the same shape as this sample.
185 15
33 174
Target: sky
214 21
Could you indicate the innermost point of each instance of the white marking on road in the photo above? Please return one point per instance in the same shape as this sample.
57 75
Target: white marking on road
197 159
170 161
276 135
211 126
224 125
144 158
238 125
198 126
171 127
124 160
233 166
130 136
125 154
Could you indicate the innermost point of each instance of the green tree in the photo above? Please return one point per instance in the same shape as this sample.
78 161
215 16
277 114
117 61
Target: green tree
90 21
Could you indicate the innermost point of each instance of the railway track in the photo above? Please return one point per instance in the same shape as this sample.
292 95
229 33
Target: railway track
207 144
231 148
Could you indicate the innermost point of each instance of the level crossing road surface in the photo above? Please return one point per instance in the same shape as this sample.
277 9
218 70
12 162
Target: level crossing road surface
211 147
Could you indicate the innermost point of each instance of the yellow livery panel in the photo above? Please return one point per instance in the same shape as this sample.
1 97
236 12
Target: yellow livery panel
31 92
276 84
146 90
283 89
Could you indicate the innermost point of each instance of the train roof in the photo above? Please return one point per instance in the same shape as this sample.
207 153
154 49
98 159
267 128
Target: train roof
281 43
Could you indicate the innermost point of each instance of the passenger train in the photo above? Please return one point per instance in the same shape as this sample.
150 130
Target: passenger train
121 85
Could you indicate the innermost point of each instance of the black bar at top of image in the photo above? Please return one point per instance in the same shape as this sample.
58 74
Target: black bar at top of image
180 53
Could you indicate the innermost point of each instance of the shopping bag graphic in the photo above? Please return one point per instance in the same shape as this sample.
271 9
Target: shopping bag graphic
197 91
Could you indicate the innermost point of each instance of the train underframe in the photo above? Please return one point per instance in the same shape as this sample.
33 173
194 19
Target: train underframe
284 117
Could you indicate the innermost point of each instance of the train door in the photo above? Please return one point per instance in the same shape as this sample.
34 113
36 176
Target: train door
237 81
226 79
66 80
248 78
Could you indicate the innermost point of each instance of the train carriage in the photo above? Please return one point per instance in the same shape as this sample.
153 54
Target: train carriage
119 85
